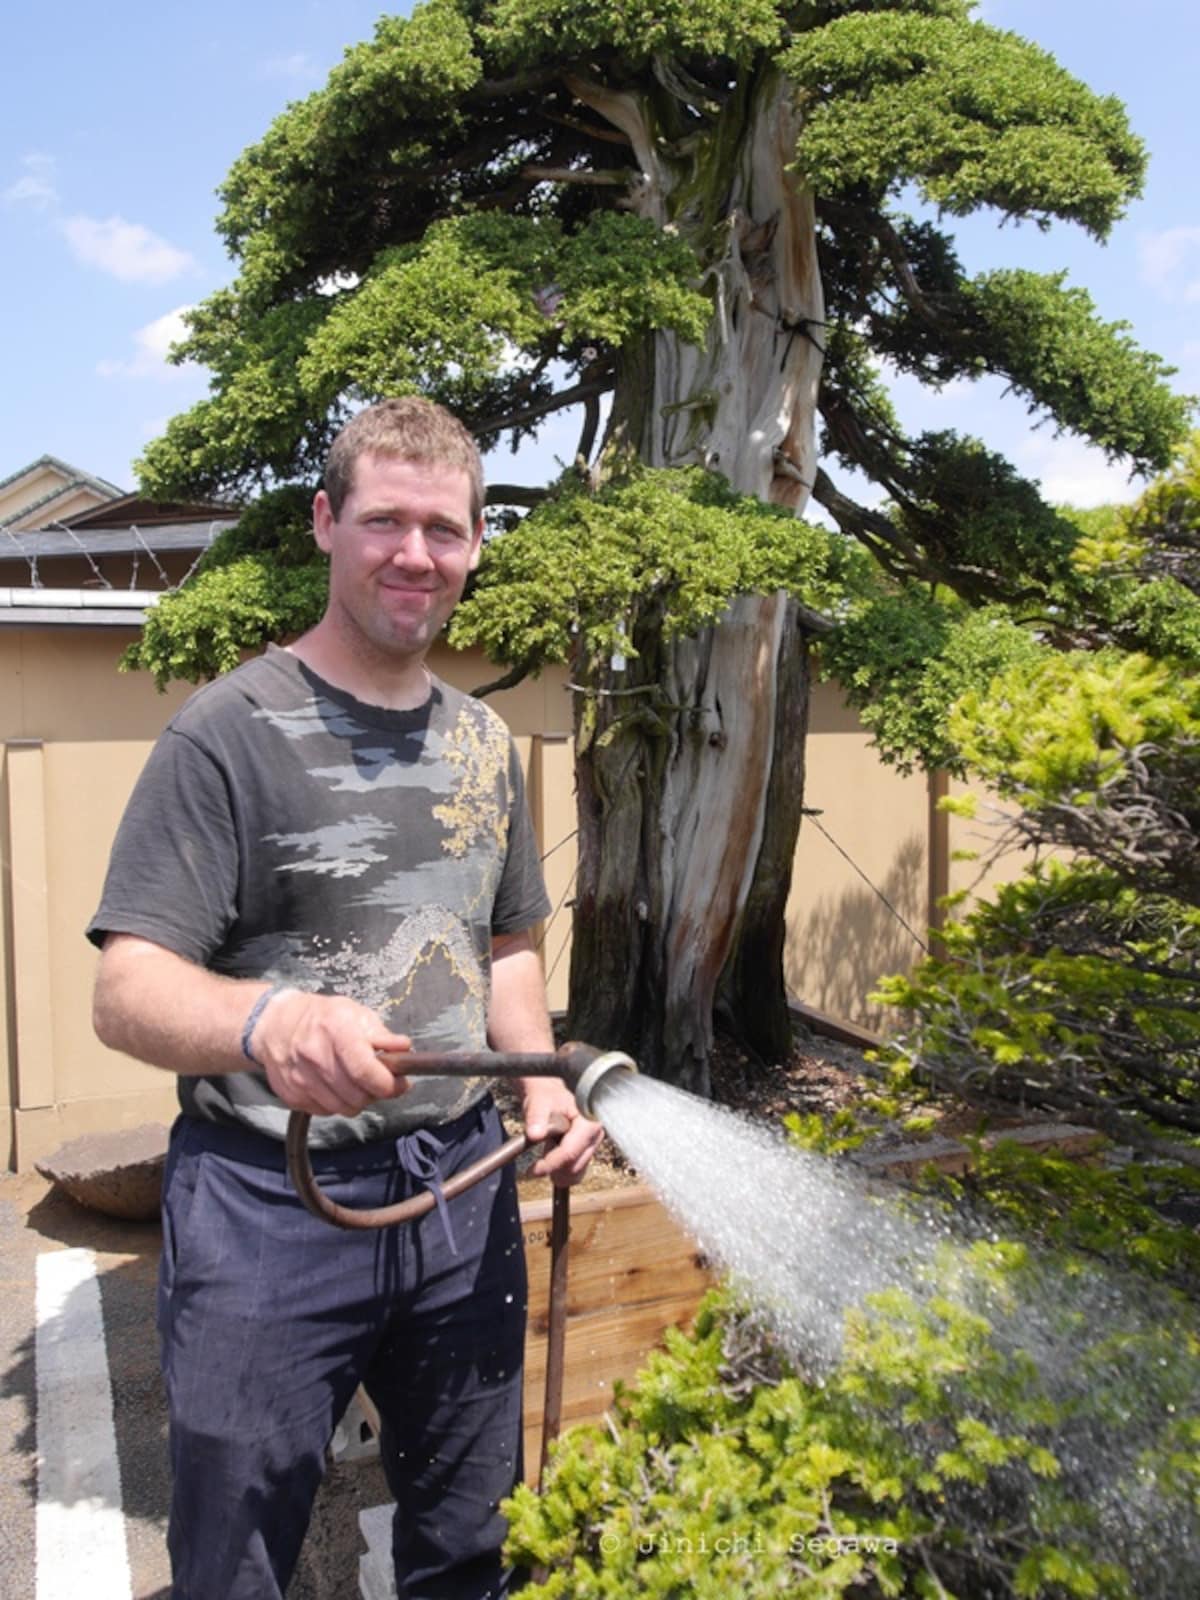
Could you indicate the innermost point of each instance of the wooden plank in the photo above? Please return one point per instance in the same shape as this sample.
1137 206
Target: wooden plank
633 1273
837 1028
600 1349
953 1157
626 1253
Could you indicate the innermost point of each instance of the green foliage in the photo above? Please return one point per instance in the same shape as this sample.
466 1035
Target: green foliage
392 233
1103 753
444 316
635 30
826 1136
970 115
1116 1214
1067 729
1076 988
904 658
1087 374
288 197
585 570
934 1458
974 511
278 524
263 579
260 424
1136 572
1073 992
1167 517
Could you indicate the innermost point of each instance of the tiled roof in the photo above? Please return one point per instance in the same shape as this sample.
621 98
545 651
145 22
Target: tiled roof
73 478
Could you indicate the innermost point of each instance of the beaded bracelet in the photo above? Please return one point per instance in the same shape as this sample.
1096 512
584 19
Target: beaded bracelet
251 1022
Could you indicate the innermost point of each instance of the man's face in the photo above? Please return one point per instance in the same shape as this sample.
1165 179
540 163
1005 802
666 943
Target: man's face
399 552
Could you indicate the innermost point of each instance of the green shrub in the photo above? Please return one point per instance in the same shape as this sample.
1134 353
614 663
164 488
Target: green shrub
1015 1424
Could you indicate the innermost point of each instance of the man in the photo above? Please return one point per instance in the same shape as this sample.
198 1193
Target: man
326 858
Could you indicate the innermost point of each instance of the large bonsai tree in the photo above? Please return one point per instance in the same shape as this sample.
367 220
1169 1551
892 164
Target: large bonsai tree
696 208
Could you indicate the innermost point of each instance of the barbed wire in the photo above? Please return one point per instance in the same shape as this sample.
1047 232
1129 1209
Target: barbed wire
30 562
26 548
161 570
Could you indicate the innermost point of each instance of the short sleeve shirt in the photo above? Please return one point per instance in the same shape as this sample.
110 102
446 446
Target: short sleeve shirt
282 829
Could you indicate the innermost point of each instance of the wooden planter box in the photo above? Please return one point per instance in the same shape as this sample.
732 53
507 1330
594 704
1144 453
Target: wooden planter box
632 1273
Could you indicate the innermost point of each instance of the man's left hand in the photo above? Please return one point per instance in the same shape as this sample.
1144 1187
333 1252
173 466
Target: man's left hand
566 1161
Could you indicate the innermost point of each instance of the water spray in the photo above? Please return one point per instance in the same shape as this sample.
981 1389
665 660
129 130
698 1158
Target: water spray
807 1241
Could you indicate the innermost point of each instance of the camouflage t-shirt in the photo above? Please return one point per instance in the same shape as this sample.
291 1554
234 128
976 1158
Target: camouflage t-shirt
282 829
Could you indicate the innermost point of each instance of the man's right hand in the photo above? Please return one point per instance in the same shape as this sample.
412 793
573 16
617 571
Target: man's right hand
321 1053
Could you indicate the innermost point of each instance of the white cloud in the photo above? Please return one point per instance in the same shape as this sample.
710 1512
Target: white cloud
150 346
1164 257
125 250
299 67
1074 473
36 187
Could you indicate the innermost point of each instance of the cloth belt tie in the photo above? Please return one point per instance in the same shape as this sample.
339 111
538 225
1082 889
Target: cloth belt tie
418 1153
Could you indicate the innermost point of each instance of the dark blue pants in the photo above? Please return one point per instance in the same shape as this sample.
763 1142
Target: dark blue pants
270 1318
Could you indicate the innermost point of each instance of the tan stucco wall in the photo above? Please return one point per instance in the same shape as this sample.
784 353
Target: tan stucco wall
75 736
841 935
984 834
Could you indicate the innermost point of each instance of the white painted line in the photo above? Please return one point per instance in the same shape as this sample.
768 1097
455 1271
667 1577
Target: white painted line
80 1525
376 1573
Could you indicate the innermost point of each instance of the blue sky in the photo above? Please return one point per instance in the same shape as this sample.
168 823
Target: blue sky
119 122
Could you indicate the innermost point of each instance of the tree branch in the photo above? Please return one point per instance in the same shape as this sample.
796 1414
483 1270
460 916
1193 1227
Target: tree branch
605 178
885 236
591 426
510 680
681 86
624 111
590 130
876 531
514 494
543 408
520 83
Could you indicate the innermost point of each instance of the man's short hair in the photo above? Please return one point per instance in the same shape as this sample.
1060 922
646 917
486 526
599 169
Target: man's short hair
412 429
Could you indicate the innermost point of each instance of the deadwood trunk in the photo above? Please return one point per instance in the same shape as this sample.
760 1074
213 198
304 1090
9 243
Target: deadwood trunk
690 757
